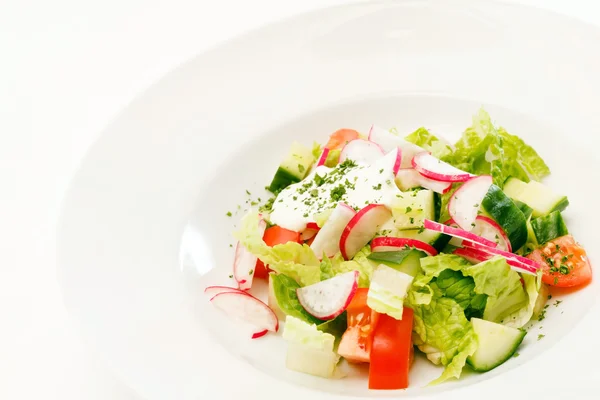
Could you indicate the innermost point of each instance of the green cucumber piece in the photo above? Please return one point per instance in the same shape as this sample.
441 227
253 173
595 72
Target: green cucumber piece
506 213
412 208
407 261
549 227
293 169
525 209
436 239
539 197
496 344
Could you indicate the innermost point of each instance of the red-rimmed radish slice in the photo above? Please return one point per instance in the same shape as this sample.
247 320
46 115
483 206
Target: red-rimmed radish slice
454 241
362 228
514 260
212 291
323 157
472 255
329 298
438 170
259 334
388 141
489 229
247 308
327 239
361 151
244 262
311 230
409 178
397 244
456 232
466 201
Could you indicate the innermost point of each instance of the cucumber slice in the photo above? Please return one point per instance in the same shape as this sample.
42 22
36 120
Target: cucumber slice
505 212
294 168
549 227
497 343
407 261
412 208
537 196
525 209
541 301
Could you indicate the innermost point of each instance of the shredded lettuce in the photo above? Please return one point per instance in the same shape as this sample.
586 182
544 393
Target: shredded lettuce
387 291
484 149
298 261
423 138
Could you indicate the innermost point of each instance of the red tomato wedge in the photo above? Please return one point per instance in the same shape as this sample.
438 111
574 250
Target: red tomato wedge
564 263
391 352
273 236
339 138
356 342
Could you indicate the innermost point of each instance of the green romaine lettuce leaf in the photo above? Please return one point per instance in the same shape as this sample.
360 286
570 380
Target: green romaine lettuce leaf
284 289
423 138
521 317
387 291
298 331
359 263
485 149
298 261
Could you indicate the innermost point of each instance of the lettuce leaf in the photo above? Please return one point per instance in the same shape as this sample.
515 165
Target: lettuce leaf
298 331
423 138
521 317
387 291
298 261
485 149
442 325
359 263
284 289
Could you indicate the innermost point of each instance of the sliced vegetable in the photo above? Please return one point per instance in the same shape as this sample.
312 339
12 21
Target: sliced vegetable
564 263
328 238
273 236
438 170
388 141
388 290
245 262
323 157
489 229
396 244
496 344
285 298
536 195
341 137
311 230
361 151
525 209
391 352
465 202
458 233
409 178
504 211
521 264
410 209
549 227
329 298
362 228
272 301
294 168
358 339
436 239
212 291
247 308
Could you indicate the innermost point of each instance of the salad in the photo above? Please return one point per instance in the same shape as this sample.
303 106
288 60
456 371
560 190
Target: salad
376 245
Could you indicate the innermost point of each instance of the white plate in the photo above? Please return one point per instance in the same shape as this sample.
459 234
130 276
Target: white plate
143 227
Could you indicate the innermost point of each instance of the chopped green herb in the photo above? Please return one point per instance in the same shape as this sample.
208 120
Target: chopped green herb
476 205
541 336
248 193
378 187
319 180
389 182
314 193
549 297
412 220
564 259
305 215
408 209
230 245
542 315
230 276
564 269
421 229
229 214
557 303
516 355
254 203
381 171
250 272
556 280
301 168
295 197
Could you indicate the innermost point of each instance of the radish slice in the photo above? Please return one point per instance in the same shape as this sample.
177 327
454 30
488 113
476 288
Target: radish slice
361 151
212 291
456 232
311 230
362 228
514 260
438 170
259 334
323 157
489 229
454 241
466 201
328 238
244 263
396 244
249 309
409 178
388 141
517 263
329 298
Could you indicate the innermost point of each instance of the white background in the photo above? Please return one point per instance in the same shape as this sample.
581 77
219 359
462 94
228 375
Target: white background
66 69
